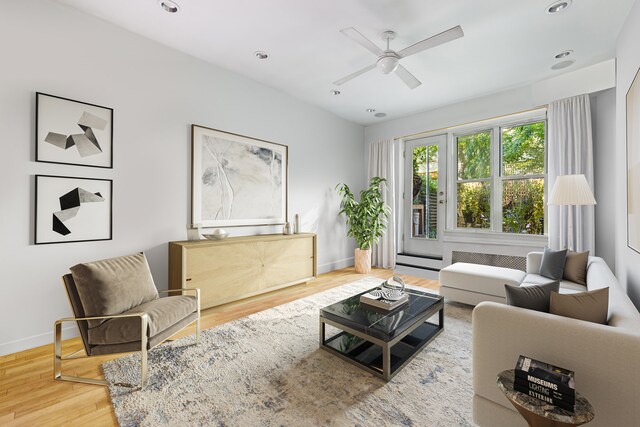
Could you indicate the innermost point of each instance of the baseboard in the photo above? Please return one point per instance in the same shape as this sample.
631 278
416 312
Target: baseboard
335 265
70 331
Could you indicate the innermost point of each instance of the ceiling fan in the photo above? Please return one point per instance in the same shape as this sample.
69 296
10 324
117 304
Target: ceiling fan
389 60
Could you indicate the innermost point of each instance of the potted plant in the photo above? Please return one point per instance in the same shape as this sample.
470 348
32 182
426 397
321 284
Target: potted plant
366 220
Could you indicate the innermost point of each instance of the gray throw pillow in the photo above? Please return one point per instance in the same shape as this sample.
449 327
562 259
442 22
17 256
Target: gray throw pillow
113 286
591 306
552 265
533 297
575 267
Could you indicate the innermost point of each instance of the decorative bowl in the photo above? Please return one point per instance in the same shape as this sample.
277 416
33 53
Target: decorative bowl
217 234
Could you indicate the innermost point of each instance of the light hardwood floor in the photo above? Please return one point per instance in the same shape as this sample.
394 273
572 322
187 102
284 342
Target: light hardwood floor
29 396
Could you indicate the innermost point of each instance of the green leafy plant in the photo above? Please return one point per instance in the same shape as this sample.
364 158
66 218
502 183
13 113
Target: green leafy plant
367 219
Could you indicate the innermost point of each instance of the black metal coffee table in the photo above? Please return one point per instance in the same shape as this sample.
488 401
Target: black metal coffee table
377 341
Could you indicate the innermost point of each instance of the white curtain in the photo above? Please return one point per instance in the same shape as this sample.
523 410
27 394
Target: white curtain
382 164
570 151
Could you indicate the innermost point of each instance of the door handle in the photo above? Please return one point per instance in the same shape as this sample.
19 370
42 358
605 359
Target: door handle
441 201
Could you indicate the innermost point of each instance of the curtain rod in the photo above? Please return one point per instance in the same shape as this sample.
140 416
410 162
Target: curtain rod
471 123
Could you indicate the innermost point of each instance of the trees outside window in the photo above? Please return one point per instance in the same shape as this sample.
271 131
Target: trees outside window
500 182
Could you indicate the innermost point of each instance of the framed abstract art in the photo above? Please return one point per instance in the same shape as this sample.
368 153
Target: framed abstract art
633 164
73 132
72 209
237 180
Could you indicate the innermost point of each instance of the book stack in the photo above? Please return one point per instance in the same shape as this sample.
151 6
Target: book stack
545 382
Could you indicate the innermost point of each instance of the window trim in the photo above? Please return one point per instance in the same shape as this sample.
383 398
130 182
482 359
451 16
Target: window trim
452 232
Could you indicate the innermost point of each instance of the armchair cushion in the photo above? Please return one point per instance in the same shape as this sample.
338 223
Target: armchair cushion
163 313
113 286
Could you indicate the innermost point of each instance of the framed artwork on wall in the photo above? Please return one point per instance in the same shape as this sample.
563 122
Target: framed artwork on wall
237 180
73 132
72 209
633 164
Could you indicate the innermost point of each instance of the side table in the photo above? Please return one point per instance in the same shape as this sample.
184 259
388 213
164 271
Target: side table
540 414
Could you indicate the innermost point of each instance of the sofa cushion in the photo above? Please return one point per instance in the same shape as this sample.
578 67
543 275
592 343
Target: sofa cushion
565 285
113 286
484 279
552 265
592 306
534 297
575 267
163 313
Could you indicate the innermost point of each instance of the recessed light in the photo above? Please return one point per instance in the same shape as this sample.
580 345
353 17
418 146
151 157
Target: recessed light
261 54
169 6
371 110
564 54
558 6
380 115
563 64
335 92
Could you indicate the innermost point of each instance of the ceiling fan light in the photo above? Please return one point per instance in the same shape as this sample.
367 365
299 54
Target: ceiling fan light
388 64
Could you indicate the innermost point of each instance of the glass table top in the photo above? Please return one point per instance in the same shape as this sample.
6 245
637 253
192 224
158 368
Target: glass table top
379 323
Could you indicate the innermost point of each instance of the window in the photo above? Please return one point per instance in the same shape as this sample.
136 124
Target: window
500 182
425 192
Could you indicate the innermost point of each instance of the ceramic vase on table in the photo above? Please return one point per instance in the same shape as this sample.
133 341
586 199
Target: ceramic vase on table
363 261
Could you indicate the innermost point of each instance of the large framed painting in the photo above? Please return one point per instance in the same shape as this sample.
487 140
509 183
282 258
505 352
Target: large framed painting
73 132
633 164
237 180
71 209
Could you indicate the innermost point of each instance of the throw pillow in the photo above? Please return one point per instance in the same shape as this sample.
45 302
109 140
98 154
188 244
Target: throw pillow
552 264
592 306
533 297
113 286
575 267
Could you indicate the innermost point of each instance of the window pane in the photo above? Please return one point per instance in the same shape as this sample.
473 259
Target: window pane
424 217
474 200
523 206
523 149
474 156
419 191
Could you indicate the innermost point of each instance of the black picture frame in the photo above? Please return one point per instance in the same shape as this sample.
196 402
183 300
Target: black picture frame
53 214
58 118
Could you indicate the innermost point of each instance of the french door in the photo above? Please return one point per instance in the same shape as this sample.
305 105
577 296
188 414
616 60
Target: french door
424 195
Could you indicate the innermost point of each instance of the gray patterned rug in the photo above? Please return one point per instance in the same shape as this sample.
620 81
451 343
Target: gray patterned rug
267 370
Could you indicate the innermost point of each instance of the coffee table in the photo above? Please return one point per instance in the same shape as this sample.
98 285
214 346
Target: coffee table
378 341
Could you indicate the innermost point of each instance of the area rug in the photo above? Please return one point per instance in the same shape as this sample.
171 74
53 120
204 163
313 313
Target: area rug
267 370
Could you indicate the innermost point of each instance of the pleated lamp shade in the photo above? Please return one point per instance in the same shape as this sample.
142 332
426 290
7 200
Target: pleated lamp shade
571 190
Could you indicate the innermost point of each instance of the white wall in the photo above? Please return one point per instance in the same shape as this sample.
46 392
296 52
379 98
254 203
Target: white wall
628 54
603 115
156 93
598 77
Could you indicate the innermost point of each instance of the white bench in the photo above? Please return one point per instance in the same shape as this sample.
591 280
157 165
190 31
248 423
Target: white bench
474 283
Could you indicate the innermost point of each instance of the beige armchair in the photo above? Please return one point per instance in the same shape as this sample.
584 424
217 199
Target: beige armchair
118 309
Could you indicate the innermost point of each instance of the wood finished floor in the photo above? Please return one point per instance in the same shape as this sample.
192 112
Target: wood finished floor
30 397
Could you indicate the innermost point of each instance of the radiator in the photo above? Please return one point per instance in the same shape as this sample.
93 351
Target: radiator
508 261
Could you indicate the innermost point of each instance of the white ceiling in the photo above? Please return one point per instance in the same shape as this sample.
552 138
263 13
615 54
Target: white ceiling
507 43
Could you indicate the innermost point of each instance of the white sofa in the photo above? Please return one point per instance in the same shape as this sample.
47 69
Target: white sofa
605 358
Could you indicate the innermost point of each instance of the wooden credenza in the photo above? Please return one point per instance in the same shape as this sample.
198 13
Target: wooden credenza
239 267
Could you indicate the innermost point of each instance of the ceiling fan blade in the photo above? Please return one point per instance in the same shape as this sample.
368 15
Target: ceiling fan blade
408 78
438 39
355 35
354 75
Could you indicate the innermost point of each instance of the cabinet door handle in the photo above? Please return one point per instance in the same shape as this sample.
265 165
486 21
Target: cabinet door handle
189 279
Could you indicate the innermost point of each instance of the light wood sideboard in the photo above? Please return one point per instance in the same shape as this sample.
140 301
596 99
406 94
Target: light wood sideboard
239 267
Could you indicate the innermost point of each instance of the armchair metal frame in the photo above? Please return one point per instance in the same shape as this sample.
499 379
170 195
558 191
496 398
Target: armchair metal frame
144 322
